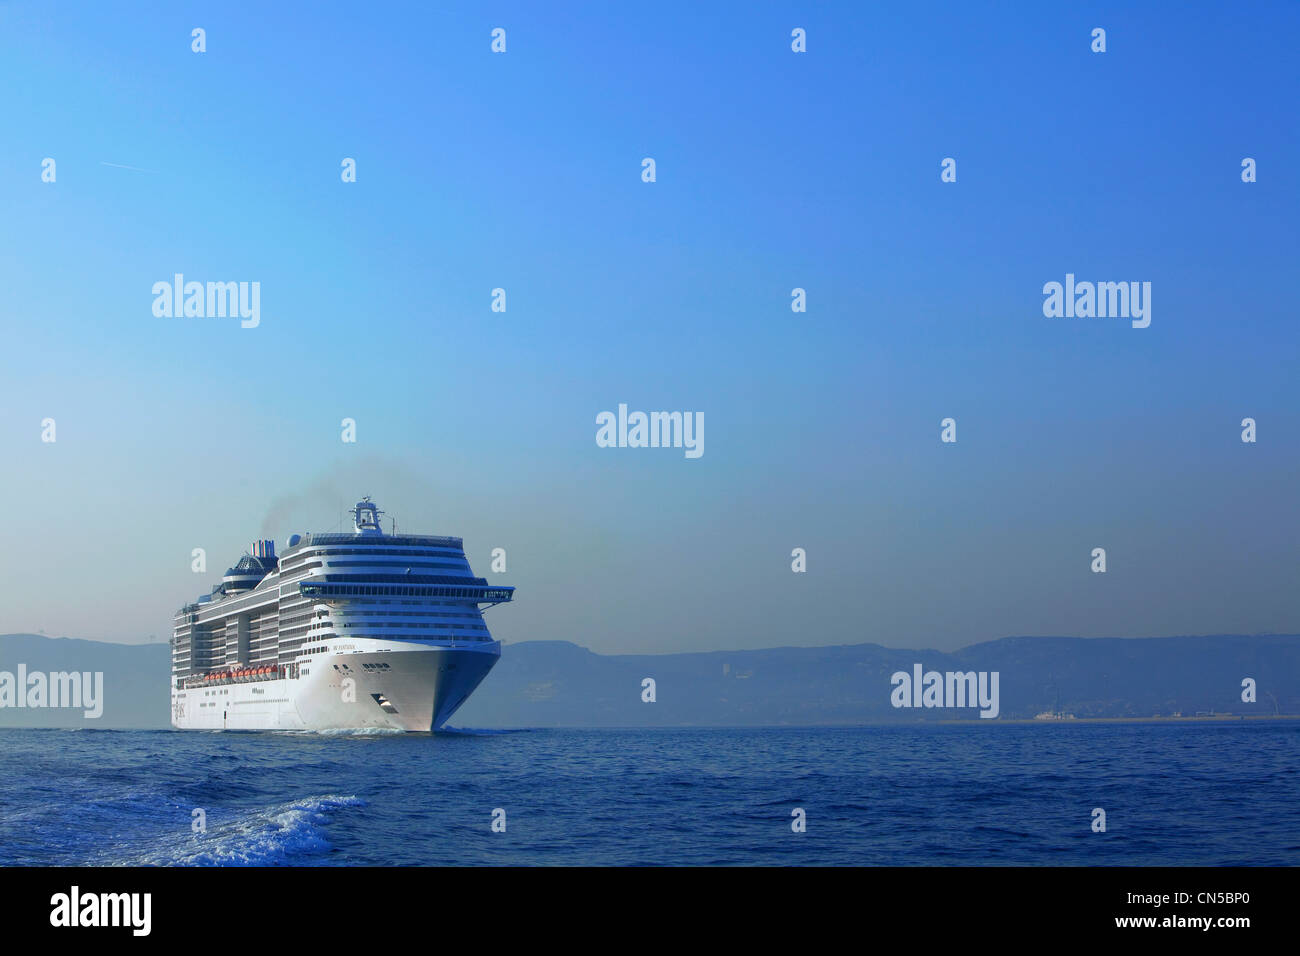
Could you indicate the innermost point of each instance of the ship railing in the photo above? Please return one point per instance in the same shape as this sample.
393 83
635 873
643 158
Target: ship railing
426 540
478 593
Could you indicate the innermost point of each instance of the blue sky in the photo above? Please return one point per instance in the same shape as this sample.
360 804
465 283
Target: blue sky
774 170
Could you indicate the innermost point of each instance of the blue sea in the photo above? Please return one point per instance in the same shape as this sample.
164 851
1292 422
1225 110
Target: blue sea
1203 794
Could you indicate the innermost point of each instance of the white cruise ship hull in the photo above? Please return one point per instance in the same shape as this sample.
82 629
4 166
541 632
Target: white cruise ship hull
402 688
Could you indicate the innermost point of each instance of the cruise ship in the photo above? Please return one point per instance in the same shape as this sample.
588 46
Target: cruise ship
352 631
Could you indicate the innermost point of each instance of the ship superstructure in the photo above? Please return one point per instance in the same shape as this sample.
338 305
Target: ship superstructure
343 631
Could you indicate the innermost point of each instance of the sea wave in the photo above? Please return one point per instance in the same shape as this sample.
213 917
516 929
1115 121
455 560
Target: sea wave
276 835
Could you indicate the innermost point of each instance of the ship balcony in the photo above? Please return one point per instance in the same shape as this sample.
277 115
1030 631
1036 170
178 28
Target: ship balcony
477 593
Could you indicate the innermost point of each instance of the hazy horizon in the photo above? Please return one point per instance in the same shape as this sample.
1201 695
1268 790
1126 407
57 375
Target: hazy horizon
579 643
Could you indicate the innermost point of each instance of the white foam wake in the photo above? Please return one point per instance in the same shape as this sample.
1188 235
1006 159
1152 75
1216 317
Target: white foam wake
272 836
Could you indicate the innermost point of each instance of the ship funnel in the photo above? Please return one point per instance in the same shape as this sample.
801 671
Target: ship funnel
366 517
262 549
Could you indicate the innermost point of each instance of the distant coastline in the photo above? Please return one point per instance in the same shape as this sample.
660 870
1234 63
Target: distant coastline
1214 719
542 684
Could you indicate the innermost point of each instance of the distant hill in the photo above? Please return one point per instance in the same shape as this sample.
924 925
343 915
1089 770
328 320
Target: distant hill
559 684
136 678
